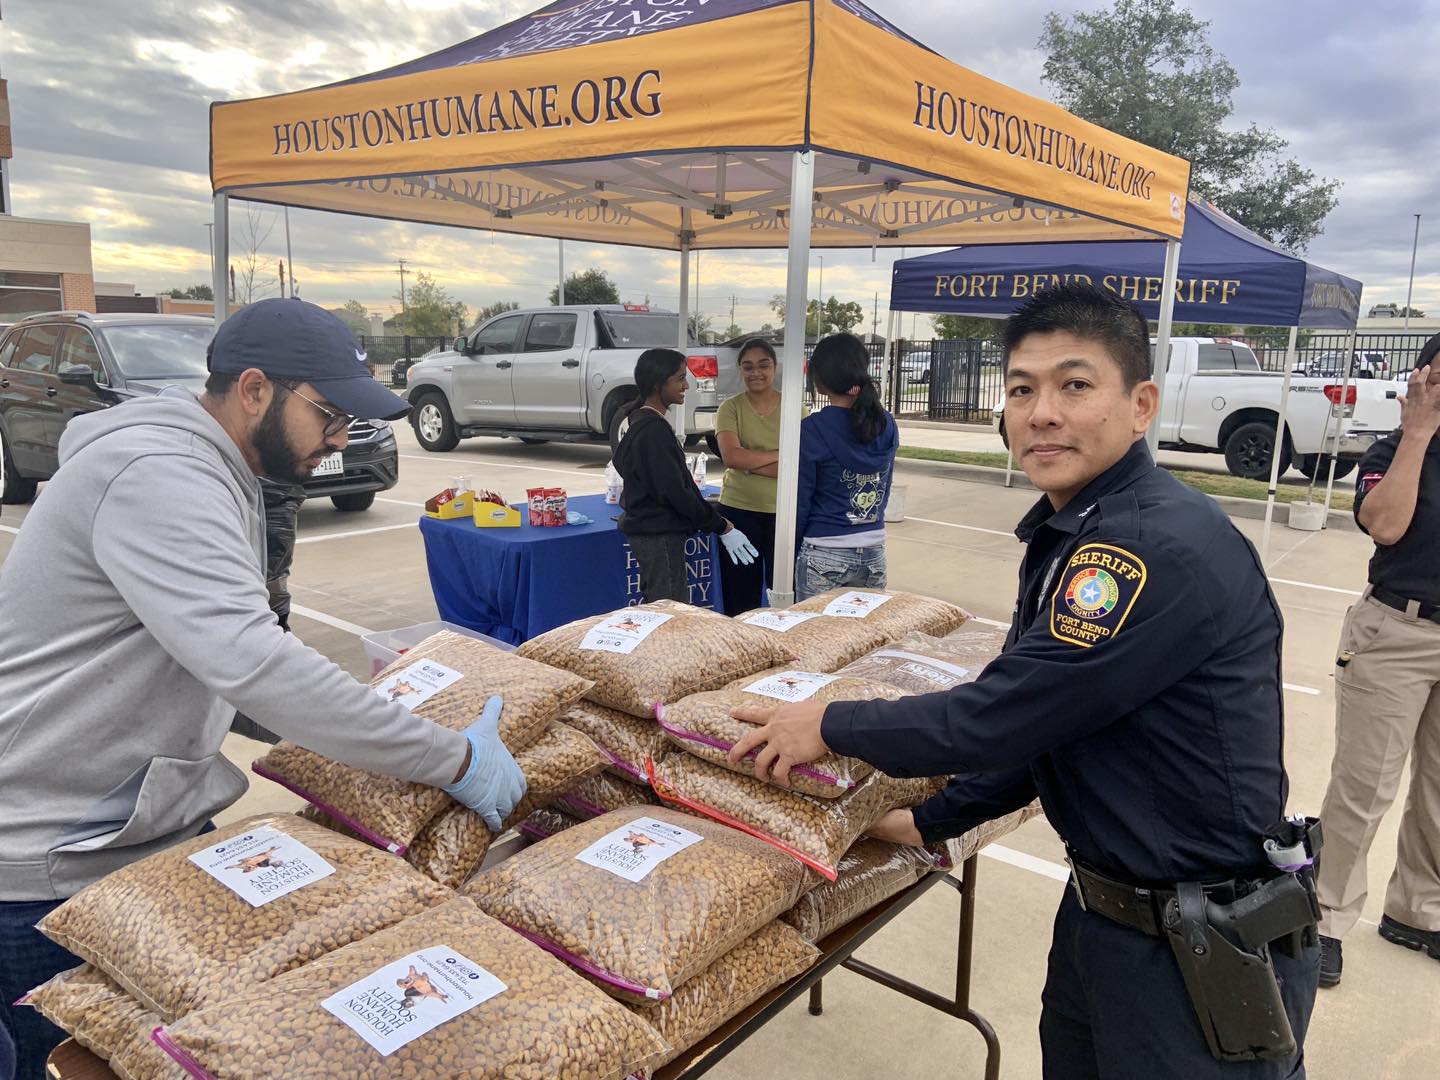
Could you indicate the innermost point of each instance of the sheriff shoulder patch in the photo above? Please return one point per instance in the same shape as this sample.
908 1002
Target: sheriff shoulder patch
1097 589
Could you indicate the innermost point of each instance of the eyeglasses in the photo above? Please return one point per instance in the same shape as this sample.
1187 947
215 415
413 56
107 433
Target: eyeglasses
334 422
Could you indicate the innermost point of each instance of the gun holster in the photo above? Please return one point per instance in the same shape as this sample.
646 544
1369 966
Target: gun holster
1223 951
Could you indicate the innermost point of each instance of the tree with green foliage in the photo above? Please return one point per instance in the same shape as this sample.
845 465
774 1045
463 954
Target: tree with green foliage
489 311
966 328
194 292
699 326
731 332
592 286
430 310
1145 69
838 318
355 315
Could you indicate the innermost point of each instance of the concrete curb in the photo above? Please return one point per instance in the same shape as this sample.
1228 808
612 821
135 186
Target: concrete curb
1233 506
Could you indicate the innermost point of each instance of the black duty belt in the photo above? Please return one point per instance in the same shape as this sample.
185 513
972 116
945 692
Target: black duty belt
1137 906
1400 603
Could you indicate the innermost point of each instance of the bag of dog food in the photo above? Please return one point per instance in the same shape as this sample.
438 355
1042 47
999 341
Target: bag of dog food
702 724
641 656
894 613
446 678
819 642
98 1013
602 794
447 994
453 845
815 831
921 664
235 907
871 871
766 959
641 899
629 740
547 821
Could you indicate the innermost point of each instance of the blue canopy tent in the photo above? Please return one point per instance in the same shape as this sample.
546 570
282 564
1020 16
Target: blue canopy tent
1226 274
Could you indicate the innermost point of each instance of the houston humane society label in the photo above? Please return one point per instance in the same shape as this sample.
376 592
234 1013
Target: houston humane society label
633 850
781 621
418 683
790 685
623 632
855 605
413 995
262 865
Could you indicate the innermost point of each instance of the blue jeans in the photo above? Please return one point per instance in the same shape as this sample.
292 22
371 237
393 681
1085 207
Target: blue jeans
27 959
819 569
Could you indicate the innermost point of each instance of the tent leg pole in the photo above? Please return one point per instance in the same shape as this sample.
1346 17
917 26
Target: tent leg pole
677 412
220 261
802 195
1279 443
1160 365
1335 452
560 291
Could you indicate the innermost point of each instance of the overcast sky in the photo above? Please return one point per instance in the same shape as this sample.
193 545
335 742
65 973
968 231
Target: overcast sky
109 107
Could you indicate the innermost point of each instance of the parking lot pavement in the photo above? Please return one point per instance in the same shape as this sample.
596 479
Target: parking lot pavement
357 572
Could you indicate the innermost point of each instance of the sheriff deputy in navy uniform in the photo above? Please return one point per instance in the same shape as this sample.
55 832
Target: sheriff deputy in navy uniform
1139 695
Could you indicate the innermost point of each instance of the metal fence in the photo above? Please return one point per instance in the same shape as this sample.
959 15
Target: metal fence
388 349
1399 351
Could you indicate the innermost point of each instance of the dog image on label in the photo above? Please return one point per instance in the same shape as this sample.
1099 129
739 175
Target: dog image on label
414 987
251 863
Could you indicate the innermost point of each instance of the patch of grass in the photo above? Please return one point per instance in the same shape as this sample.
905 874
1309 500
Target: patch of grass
1210 483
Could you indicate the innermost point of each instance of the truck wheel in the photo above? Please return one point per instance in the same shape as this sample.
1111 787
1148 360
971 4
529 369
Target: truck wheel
616 423
14 488
354 502
1312 465
1248 450
433 424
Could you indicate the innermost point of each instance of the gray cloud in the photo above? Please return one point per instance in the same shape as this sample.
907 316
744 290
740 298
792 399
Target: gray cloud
118 134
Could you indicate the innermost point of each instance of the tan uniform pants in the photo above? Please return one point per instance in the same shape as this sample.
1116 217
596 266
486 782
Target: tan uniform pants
1387 708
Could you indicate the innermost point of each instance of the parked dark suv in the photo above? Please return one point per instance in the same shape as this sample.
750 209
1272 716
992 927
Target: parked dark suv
56 366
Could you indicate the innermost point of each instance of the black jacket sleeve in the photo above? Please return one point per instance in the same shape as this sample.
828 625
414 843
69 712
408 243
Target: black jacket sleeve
674 485
1151 625
972 799
1373 467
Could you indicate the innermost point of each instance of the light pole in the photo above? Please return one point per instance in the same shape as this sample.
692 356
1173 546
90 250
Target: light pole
1410 292
210 243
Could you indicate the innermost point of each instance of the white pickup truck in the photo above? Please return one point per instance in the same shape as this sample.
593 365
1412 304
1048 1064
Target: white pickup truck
1218 400
553 374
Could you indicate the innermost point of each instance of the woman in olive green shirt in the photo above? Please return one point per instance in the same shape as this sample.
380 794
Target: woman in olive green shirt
747 429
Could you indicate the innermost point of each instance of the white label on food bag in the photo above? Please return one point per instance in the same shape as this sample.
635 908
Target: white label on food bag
781 620
790 685
633 850
624 631
855 605
938 672
262 865
418 683
415 994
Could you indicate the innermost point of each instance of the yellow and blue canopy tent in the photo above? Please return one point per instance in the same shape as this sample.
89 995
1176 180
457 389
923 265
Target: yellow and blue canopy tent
701 124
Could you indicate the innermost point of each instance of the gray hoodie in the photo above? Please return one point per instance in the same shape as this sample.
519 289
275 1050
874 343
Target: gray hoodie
134 620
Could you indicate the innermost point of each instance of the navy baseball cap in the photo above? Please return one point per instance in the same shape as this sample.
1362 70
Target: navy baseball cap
292 339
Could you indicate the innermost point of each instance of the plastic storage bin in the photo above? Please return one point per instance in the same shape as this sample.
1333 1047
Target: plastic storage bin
384 647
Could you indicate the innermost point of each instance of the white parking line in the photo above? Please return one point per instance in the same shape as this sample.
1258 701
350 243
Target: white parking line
10 529
498 465
967 528
1312 585
1043 867
355 532
330 620
399 502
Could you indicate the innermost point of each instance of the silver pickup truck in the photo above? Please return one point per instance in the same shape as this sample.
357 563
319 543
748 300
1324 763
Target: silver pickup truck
553 374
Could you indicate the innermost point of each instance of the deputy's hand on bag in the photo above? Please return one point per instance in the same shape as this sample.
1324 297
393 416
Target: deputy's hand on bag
784 737
739 547
897 827
492 784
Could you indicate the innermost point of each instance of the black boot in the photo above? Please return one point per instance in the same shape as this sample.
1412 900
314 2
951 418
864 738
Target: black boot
1331 961
1410 937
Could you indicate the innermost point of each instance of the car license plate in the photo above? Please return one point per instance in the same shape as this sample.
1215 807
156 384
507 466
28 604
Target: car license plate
334 465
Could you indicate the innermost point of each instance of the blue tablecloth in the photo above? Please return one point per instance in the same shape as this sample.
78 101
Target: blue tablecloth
516 583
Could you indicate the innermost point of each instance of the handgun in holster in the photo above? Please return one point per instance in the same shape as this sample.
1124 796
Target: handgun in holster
1224 954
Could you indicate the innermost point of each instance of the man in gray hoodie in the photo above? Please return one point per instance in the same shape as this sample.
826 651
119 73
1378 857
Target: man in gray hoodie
135 620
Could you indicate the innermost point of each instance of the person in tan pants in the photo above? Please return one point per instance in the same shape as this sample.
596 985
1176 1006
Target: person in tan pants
1387 690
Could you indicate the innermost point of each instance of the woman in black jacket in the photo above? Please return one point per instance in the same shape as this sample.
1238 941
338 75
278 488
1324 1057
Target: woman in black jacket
661 504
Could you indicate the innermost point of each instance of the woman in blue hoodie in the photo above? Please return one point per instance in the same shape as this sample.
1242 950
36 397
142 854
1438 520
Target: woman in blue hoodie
847 457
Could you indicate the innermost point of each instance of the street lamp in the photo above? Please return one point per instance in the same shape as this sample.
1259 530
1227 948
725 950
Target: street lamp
1410 292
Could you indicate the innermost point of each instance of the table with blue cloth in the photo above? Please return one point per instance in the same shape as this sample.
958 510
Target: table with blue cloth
516 583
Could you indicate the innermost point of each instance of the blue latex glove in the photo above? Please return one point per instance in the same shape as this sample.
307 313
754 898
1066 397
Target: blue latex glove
493 784
738 547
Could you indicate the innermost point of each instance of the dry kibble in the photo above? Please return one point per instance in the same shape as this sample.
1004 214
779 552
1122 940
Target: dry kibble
177 938
545 1023
391 812
962 847
901 614
98 1013
547 821
629 740
694 650
453 845
641 938
819 642
871 871
702 725
921 664
763 961
815 831
601 794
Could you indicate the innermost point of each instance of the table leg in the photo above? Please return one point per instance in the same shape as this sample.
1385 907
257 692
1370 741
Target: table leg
817 1006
